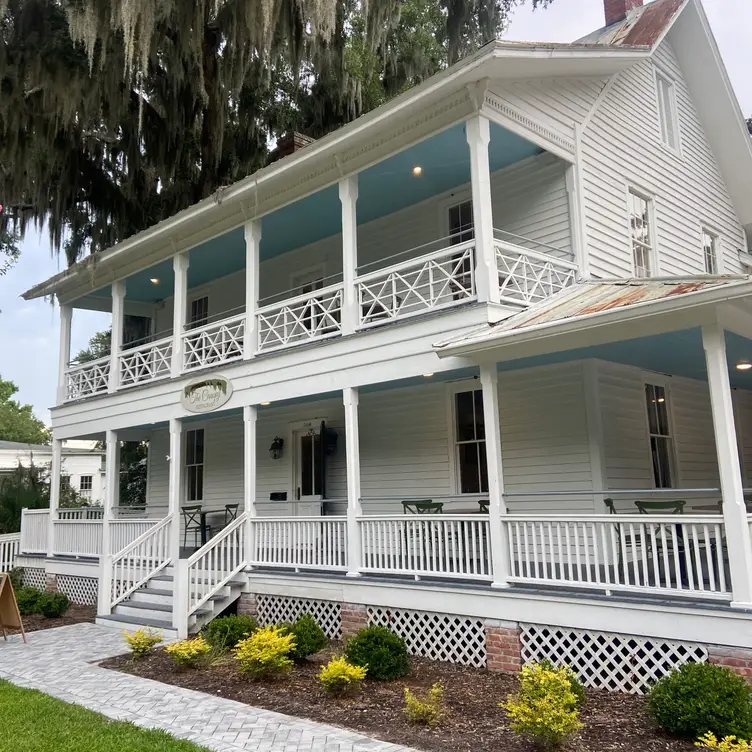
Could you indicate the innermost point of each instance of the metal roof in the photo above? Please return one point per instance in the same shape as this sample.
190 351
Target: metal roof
643 26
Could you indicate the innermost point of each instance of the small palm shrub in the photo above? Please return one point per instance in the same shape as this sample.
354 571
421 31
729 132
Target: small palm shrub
339 676
379 650
702 697
189 653
265 652
27 599
429 710
727 744
309 636
225 632
545 708
141 642
53 605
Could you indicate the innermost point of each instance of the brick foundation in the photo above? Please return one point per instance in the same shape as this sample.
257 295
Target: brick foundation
354 618
503 648
50 584
248 605
739 660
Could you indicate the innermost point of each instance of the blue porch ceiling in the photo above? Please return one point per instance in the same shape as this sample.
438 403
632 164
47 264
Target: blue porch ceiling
382 189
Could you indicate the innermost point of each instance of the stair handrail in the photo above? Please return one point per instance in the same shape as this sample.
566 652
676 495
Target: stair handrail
156 563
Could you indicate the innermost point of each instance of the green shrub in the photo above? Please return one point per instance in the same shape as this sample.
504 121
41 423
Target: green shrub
702 697
379 650
265 652
28 600
53 605
225 632
141 641
339 676
16 578
574 683
309 637
429 710
545 708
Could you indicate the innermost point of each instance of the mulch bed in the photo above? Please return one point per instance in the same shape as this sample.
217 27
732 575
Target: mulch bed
475 723
75 615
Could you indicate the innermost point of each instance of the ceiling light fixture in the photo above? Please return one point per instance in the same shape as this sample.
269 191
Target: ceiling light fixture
417 170
743 365
154 280
427 375
264 404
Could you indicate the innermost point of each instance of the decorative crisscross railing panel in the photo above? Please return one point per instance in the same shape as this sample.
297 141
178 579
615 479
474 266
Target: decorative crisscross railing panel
81 590
213 344
605 660
273 609
427 283
314 316
527 277
87 378
34 577
440 637
146 362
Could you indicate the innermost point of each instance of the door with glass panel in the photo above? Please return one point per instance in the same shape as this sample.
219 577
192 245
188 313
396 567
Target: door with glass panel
308 471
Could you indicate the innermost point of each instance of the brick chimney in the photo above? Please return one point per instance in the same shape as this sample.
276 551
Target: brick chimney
289 143
616 10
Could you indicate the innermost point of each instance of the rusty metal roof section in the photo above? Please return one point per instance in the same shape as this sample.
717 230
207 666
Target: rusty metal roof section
642 27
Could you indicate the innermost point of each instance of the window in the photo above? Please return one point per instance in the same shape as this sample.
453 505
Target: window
460 231
667 112
661 451
194 465
641 234
470 439
199 312
85 485
710 251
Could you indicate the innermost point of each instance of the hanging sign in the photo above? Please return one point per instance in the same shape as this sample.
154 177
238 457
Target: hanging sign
207 394
9 614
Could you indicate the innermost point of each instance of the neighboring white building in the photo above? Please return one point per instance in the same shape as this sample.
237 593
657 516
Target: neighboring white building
517 292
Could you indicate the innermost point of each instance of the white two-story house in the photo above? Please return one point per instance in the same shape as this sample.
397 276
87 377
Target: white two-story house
475 364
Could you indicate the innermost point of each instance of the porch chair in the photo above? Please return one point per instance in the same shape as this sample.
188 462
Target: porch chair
231 513
672 506
423 506
626 541
483 505
192 522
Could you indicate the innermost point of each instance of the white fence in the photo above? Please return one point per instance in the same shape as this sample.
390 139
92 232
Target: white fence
10 545
80 513
85 379
213 344
139 365
35 525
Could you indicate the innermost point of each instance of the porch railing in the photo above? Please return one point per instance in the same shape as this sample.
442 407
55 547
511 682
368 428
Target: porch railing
35 524
85 379
145 363
683 556
446 545
313 316
10 546
300 543
215 343
527 276
80 513
427 283
83 537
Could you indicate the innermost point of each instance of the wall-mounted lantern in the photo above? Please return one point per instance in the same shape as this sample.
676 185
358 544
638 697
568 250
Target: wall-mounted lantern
275 450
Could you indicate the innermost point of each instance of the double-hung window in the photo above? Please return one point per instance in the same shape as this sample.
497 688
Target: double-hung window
641 232
85 486
667 115
659 430
470 442
460 231
194 465
199 312
710 251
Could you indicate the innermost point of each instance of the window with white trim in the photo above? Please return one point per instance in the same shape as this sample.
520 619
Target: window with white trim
85 485
667 114
640 212
460 231
710 251
199 314
659 430
470 442
194 465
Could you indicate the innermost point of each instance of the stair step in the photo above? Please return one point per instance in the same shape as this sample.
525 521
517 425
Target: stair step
146 606
155 591
122 621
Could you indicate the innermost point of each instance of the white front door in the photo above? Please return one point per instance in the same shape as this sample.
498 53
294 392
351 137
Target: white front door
307 477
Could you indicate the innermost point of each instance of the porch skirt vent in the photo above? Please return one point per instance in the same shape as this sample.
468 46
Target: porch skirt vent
34 577
81 590
273 609
440 637
604 660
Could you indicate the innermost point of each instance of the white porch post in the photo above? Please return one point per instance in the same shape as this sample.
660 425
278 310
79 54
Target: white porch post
489 381
250 414
734 510
252 249
55 477
111 501
478 133
175 485
180 266
354 508
348 195
116 340
66 318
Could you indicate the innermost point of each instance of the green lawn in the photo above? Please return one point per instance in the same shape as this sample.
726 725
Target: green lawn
34 722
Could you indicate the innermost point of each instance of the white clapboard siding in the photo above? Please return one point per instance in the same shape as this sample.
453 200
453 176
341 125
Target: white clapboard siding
157 472
621 147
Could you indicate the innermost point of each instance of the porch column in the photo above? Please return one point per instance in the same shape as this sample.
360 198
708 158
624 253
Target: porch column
250 414
111 501
252 249
734 510
175 487
66 318
348 195
55 477
489 381
478 133
180 266
354 508
116 339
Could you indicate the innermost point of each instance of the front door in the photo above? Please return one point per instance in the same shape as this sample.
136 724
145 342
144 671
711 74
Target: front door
308 480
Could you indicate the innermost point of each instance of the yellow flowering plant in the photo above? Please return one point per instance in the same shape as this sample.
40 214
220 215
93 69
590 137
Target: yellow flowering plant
429 710
265 652
727 744
339 676
141 641
188 652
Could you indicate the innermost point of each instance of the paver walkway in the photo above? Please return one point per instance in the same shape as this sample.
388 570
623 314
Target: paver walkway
58 662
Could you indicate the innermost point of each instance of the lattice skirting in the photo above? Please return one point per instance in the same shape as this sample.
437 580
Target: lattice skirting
81 590
604 660
34 577
273 609
440 637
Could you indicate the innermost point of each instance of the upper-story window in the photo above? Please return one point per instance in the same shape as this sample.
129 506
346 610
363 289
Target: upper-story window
461 222
659 431
640 215
199 314
667 111
85 486
470 442
710 251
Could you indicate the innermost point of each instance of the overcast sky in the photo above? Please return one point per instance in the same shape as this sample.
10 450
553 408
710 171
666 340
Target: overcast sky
29 331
